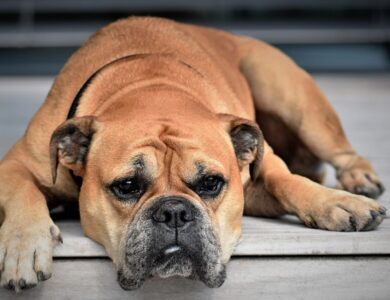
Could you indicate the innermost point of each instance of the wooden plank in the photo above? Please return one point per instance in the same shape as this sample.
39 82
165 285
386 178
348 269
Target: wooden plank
256 278
286 236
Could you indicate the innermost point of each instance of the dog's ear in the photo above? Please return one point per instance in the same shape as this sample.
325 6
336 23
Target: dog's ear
248 142
69 144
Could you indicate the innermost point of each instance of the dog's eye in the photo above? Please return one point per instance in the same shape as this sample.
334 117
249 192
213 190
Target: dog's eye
209 186
129 188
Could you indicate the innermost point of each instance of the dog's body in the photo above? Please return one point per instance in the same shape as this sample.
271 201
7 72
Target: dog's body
158 119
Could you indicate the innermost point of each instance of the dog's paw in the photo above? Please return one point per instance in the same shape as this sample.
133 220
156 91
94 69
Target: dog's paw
342 211
26 253
359 178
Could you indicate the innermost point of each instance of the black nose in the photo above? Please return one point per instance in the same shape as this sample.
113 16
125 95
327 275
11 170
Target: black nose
174 212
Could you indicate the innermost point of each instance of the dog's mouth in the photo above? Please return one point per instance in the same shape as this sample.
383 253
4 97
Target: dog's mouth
149 253
174 260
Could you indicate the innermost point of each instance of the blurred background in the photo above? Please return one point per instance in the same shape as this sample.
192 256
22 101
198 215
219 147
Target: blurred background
37 36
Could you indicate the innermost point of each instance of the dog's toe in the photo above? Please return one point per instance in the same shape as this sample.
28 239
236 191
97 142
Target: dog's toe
23 285
382 210
348 212
361 182
25 257
9 285
43 276
352 222
18 273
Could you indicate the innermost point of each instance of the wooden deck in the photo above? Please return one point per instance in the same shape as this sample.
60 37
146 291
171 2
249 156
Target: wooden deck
275 259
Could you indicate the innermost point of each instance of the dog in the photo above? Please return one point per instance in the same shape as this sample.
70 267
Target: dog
166 134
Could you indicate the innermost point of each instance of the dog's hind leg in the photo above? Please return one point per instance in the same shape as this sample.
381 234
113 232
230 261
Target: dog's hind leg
288 146
279 87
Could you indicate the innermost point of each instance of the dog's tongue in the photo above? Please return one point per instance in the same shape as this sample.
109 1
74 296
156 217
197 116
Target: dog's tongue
172 250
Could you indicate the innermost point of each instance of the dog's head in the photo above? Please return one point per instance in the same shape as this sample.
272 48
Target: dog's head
162 183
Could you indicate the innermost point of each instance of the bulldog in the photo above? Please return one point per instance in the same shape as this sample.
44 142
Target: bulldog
154 128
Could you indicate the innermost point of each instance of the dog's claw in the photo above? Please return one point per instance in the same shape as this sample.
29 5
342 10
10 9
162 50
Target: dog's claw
359 178
352 221
380 187
359 190
10 285
22 284
382 210
42 276
374 214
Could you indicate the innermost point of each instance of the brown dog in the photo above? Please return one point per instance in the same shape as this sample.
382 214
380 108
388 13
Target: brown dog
151 126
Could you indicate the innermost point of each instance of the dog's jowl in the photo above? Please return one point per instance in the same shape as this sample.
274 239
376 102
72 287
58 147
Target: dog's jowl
167 134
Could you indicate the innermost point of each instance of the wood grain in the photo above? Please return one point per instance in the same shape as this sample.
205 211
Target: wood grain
286 236
250 279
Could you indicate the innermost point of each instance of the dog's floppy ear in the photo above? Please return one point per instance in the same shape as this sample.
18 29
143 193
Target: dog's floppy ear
248 142
69 144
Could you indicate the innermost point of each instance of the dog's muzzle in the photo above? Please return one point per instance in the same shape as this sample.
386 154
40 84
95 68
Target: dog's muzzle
173 237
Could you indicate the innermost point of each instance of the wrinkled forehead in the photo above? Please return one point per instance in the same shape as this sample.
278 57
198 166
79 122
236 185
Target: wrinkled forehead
154 148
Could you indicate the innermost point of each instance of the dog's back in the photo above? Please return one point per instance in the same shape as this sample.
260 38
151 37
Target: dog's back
214 53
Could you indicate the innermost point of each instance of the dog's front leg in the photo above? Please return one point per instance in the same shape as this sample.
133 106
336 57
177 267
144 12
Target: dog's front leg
27 233
318 206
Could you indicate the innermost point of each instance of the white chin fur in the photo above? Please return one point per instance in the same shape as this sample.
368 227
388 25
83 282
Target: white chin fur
172 267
